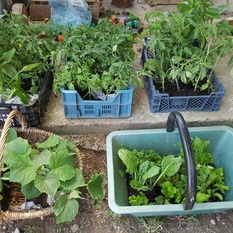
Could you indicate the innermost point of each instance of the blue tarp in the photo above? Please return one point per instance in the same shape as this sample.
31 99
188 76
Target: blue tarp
63 12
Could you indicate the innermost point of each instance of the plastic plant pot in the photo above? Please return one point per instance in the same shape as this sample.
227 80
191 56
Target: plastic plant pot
162 141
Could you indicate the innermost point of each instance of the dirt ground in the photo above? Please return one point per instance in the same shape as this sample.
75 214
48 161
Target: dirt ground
98 218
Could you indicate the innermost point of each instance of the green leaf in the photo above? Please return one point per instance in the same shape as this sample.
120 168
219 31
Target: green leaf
34 89
153 171
202 197
135 184
188 51
40 158
75 182
12 151
47 184
114 48
30 191
11 135
75 194
96 186
65 209
24 172
140 199
62 164
188 74
7 57
219 196
21 94
170 165
50 142
129 159
29 67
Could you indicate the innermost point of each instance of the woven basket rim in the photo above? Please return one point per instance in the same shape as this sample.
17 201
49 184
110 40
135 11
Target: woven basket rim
9 215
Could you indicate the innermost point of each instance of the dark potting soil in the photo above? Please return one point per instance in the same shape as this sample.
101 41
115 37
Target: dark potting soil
151 194
185 89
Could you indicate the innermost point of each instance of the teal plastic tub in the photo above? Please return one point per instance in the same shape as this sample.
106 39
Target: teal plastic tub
221 147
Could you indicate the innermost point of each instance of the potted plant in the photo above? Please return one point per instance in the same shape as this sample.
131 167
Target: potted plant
181 51
203 185
41 174
26 79
93 70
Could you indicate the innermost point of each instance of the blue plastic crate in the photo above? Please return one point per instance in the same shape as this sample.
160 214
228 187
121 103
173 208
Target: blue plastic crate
159 102
75 107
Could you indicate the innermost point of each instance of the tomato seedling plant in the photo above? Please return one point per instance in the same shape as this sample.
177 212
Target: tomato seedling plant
95 59
25 55
186 46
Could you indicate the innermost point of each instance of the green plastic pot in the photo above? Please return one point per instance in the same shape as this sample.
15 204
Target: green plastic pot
221 147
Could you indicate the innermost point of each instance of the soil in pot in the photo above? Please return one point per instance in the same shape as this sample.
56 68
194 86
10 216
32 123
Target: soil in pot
185 89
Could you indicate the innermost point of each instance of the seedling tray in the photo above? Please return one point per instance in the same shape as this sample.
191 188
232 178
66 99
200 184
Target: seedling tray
75 107
160 102
221 148
32 112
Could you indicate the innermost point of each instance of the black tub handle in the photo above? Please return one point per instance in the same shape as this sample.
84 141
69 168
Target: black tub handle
189 156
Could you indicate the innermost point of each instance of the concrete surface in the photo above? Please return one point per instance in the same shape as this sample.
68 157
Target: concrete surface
141 117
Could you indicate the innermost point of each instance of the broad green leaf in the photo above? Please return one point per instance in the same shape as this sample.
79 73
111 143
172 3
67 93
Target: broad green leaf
202 197
129 159
171 165
30 191
75 194
176 59
75 182
62 164
96 186
50 142
188 74
145 166
21 94
9 71
47 184
188 51
204 86
153 171
66 144
24 172
195 69
135 184
65 209
14 149
41 158
34 89
7 57
11 135
29 67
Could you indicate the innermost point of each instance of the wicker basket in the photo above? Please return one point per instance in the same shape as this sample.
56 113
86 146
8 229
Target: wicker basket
33 135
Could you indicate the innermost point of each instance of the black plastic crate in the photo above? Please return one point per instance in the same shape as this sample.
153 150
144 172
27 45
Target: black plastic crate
32 112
